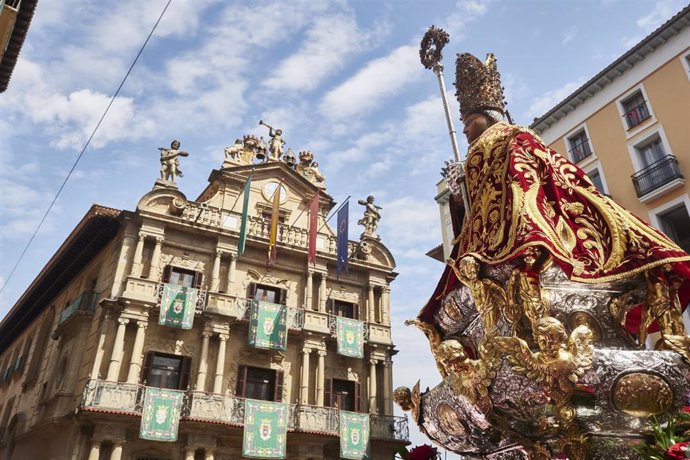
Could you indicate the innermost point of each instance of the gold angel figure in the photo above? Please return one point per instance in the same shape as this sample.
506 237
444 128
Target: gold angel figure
470 378
409 400
559 363
435 340
489 297
662 304
524 286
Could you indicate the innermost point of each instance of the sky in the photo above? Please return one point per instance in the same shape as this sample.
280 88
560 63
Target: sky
342 79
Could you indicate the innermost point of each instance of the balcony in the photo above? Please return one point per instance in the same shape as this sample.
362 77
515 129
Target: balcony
84 304
637 115
333 326
656 175
127 398
200 298
580 151
295 316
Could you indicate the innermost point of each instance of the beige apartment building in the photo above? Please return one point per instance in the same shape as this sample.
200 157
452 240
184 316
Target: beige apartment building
84 343
628 128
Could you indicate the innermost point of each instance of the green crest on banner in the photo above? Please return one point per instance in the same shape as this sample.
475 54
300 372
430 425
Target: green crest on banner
265 429
354 435
268 325
350 334
160 415
177 306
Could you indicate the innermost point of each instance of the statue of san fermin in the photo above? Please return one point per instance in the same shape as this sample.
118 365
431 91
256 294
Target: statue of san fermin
540 323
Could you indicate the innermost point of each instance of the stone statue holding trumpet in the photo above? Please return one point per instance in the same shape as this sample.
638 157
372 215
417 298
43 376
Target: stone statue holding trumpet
275 146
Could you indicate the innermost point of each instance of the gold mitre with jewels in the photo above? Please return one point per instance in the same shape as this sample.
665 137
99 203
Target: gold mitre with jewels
478 85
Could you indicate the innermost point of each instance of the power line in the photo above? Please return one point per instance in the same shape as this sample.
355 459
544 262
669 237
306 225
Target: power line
86 145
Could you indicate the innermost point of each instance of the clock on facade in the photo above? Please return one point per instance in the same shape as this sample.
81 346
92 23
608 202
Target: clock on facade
269 189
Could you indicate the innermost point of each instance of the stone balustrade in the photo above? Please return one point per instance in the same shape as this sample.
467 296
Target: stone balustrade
201 406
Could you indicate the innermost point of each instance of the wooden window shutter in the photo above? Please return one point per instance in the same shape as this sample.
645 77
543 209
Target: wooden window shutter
251 291
355 310
283 297
148 357
198 279
328 393
358 397
278 387
241 381
184 372
167 271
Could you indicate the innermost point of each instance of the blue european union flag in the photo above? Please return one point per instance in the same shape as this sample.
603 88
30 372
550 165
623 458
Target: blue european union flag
341 242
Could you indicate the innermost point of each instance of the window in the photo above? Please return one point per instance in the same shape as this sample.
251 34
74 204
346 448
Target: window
343 394
259 383
595 177
39 349
182 277
166 371
651 152
676 224
267 293
344 309
579 146
635 109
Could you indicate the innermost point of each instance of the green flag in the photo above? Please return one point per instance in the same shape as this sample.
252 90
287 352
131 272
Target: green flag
268 325
265 429
350 333
177 306
243 225
354 435
160 415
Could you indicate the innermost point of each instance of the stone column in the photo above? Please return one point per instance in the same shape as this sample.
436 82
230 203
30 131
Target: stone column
387 388
370 304
116 356
203 362
100 348
386 304
231 272
155 270
215 272
208 454
310 289
220 364
138 254
189 453
372 386
137 353
322 293
95 451
304 383
116 454
320 377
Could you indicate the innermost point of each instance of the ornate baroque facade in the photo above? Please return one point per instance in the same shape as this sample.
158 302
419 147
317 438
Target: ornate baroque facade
84 341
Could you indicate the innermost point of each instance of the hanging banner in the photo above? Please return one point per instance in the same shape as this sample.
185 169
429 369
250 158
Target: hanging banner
342 239
313 224
268 325
160 416
177 306
350 333
354 435
265 429
241 245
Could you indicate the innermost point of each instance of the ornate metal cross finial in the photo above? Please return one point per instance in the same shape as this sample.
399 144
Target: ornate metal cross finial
431 47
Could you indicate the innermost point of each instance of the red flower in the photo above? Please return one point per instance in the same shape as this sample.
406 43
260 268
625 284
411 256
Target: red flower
679 451
685 409
423 452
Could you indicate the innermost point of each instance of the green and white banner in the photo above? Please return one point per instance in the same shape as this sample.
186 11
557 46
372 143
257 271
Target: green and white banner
350 334
177 306
268 325
354 435
160 416
265 429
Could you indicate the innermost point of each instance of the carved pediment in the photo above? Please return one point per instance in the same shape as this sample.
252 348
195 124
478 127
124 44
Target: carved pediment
166 201
183 262
265 278
342 294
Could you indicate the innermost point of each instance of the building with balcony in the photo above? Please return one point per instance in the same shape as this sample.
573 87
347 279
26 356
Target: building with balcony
89 338
627 128
15 18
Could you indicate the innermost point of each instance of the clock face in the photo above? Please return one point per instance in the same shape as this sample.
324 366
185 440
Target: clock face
269 190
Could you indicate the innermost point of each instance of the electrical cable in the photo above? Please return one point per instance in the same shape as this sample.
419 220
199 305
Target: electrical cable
86 145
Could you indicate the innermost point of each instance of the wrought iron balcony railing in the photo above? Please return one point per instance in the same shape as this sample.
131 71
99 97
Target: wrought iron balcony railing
295 316
333 326
637 115
580 151
85 303
656 175
200 298
201 406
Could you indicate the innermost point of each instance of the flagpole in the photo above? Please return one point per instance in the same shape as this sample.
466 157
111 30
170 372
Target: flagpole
238 195
334 213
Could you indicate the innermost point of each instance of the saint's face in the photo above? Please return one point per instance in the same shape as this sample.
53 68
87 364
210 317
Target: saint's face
475 125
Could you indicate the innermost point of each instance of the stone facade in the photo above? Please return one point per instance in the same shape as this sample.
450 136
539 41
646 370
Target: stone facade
78 346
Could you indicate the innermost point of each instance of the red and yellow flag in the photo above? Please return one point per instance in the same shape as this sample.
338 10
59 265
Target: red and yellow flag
313 227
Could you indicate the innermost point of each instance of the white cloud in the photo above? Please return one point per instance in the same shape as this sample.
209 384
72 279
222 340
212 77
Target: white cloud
569 35
541 104
411 221
373 84
327 46
662 11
